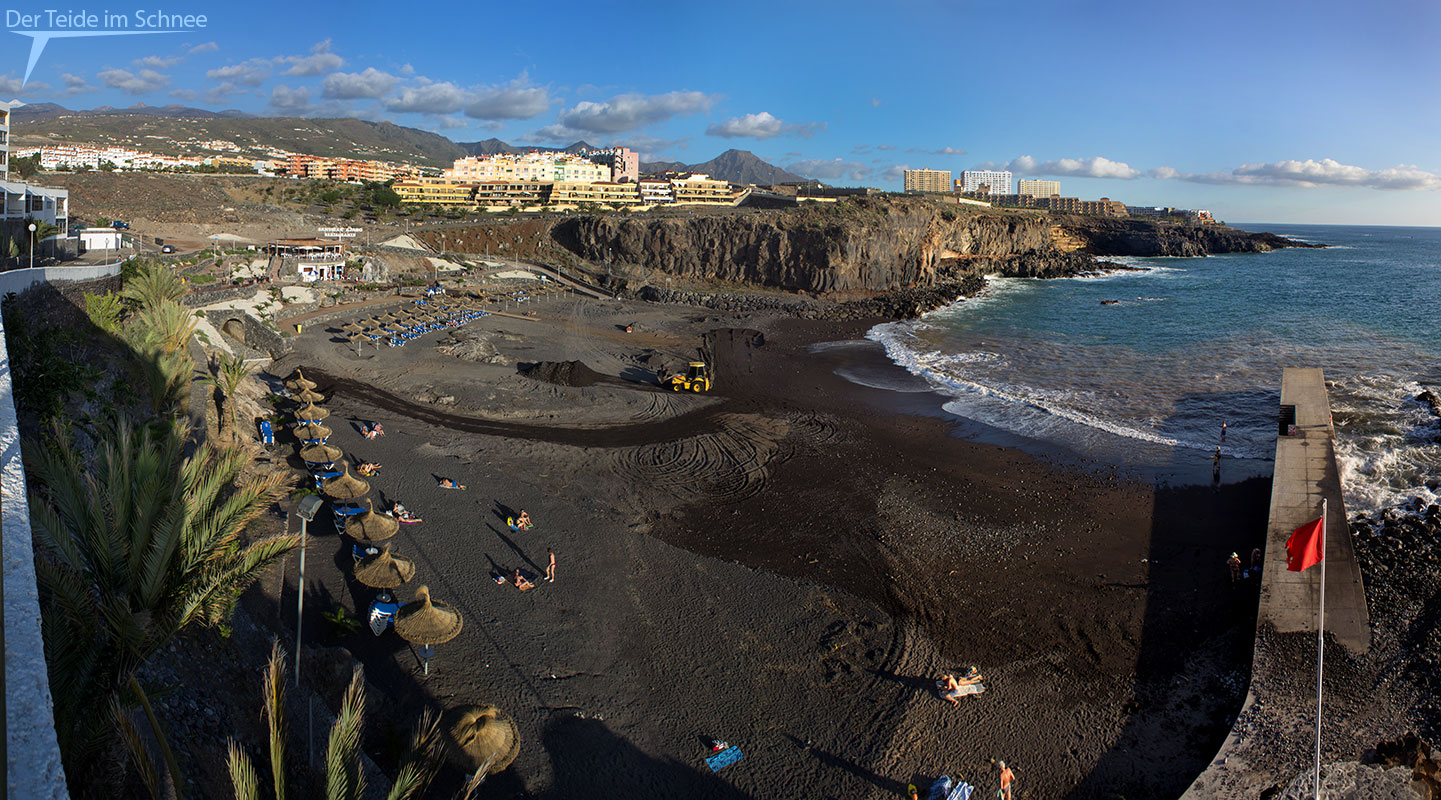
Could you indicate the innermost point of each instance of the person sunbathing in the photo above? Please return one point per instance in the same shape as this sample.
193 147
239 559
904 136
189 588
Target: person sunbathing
371 432
403 514
447 483
368 468
951 689
523 583
524 521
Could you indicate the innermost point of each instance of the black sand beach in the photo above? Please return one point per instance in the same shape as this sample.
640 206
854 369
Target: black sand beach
787 564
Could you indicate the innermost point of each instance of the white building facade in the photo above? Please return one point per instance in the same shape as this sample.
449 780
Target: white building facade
1038 188
987 180
22 200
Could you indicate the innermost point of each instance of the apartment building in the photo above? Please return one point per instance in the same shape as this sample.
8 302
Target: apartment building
1105 207
515 194
655 191
440 191
343 169
603 193
926 180
20 200
1037 188
700 189
988 181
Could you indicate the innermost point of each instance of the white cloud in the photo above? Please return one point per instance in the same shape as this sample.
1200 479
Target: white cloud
1096 167
133 83
288 99
406 69
515 100
763 125
432 98
1312 173
319 62
251 72
630 111
157 62
207 47
556 133
944 151
649 146
830 169
758 126
220 92
75 84
371 83
184 94
895 172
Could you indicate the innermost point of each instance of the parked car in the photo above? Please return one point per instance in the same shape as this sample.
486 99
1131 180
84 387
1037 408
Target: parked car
169 248
120 225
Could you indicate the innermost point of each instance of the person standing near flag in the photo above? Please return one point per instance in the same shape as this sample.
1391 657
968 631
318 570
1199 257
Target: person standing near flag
1234 565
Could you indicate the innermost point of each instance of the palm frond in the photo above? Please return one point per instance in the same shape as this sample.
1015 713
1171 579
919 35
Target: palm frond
344 779
242 773
422 759
139 753
476 779
274 693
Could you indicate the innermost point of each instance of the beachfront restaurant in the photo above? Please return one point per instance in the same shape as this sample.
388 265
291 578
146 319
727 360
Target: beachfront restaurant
312 259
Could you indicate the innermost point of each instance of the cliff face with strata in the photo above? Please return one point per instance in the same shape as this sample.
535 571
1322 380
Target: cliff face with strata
878 244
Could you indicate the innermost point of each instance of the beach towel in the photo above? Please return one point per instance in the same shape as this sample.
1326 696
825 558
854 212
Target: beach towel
962 791
724 758
940 788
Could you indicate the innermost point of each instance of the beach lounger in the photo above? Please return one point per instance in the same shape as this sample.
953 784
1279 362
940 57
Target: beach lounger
382 616
724 758
267 433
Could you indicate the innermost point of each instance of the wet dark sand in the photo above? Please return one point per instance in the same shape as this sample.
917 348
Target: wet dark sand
789 565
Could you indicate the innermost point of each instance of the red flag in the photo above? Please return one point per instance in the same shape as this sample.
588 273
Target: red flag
1305 547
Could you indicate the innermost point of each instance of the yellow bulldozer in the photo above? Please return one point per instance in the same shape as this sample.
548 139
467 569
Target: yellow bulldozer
696 378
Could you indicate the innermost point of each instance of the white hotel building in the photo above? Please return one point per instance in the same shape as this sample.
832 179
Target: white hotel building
992 181
20 200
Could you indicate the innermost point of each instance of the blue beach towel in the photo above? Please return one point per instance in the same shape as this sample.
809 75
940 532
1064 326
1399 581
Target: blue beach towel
724 758
940 788
961 792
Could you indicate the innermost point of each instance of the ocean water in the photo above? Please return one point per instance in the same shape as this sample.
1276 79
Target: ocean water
1147 380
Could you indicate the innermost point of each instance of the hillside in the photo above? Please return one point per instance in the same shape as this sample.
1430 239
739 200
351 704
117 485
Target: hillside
169 133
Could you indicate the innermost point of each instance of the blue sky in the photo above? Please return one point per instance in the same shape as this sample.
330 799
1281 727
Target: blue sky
1297 111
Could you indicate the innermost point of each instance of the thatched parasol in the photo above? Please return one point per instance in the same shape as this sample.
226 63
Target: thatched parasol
480 735
422 621
300 382
311 412
321 453
351 326
369 527
346 486
309 396
384 571
312 431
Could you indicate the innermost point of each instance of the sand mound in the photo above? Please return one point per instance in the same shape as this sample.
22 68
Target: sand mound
564 373
470 345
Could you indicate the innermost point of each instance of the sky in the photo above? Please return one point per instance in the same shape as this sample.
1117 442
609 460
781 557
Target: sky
1317 112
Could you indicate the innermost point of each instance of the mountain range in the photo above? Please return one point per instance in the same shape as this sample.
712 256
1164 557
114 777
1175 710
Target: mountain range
164 129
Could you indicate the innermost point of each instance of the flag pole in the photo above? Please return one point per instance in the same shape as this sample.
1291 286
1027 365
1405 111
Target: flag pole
1320 647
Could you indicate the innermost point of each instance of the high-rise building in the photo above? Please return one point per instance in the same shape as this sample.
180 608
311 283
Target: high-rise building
1037 188
927 180
990 181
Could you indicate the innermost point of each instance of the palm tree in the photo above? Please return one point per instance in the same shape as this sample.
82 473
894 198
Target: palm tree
344 779
230 372
159 333
43 231
151 284
134 545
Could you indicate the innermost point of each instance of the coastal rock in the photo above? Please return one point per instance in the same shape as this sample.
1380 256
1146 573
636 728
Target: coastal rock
1431 400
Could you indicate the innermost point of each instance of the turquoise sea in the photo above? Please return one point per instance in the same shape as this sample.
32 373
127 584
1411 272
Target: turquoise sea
1146 381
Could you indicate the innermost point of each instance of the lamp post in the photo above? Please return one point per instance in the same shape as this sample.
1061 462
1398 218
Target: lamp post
309 504
32 245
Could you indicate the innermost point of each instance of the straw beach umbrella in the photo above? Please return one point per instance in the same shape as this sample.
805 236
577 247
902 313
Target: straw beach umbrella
346 486
300 382
369 527
309 396
427 623
311 413
479 735
312 432
321 453
383 570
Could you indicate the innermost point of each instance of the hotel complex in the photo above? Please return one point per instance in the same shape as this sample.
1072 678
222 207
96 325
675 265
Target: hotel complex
1038 188
609 178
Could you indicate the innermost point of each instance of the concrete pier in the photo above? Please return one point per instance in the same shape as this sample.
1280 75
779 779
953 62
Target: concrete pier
1305 474
1280 704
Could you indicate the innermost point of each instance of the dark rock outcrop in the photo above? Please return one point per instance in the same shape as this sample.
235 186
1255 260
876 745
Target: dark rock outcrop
1140 237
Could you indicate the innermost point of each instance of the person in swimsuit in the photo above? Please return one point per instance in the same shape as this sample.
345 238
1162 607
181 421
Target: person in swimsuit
952 689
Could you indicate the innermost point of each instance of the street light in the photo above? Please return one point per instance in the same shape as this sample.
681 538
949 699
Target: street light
309 505
32 245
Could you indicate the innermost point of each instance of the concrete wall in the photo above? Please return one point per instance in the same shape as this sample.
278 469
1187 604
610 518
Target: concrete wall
18 280
32 752
33 768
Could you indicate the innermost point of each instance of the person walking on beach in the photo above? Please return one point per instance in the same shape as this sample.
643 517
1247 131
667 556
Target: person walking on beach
1223 431
1007 778
550 568
1234 564
1216 466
